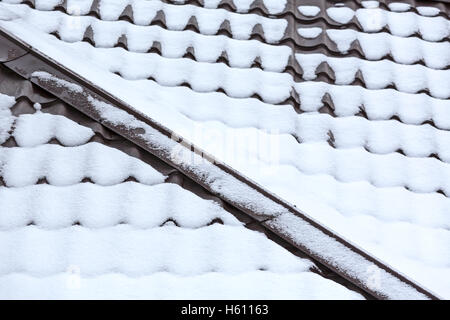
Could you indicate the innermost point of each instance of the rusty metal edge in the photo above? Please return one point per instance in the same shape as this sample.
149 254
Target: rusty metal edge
90 87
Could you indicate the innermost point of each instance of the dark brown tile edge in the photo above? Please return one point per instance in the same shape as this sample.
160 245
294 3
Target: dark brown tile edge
36 61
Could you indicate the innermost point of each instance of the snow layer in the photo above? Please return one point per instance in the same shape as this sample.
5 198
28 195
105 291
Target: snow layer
137 252
220 182
126 234
378 104
60 82
237 83
375 46
309 33
379 137
340 14
399 7
428 11
403 24
177 17
94 206
6 118
273 6
64 166
309 11
379 74
273 88
249 285
35 129
356 164
407 229
376 278
370 4
174 44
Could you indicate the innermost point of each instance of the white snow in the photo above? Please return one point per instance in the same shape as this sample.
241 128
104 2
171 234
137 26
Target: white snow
378 104
212 4
309 33
248 285
380 74
238 83
115 254
58 82
220 182
381 137
309 11
209 20
63 166
428 11
173 72
357 165
376 278
6 118
223 183
370 4
435 55
6 102
174 44
140 252
399 6
78 7
405 228
370 17
403 24
177 17
46 4
272 92
273 6
341 14
120 240
94 206
35 129
7 15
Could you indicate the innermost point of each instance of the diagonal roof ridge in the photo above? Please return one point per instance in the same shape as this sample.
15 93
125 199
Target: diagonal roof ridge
276 215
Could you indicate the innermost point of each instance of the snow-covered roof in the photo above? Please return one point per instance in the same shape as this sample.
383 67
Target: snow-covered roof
340 110
84 218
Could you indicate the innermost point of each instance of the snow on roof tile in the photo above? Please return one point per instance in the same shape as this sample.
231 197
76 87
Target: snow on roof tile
358 114
73 225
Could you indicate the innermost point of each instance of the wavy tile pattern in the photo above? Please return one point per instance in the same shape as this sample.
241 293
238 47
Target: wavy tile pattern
70 211
258 284
357 114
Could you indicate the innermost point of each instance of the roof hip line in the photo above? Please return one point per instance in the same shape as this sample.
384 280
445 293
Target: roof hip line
25 60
